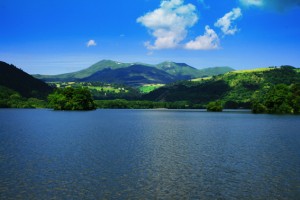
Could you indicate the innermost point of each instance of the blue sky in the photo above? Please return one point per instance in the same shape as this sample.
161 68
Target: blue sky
52 37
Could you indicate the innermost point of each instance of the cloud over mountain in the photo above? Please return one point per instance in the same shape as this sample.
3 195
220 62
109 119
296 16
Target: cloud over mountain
169 23
208 41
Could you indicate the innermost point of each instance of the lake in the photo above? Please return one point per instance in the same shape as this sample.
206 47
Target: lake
148 154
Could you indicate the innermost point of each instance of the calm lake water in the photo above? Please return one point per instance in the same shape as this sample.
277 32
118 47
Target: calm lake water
148 154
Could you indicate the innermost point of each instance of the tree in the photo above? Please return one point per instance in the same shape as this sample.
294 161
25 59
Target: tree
295 89
279 99
215 106
71 99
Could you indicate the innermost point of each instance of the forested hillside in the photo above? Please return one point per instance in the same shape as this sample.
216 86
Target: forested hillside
19 89
235 89
21 82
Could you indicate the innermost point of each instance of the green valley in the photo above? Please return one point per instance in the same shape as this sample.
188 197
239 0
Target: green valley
264 90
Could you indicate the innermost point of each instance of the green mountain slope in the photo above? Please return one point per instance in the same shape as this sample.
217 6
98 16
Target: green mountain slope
134 75
171 71
17 80
235 89
181 71
213 71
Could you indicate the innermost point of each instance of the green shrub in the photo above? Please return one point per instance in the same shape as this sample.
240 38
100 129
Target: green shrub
215 106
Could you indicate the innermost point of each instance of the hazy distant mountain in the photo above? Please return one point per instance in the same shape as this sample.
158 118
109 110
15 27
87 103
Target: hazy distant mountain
183 71
17 80
135 73
99 66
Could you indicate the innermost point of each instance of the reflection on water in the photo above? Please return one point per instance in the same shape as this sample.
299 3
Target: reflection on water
148 154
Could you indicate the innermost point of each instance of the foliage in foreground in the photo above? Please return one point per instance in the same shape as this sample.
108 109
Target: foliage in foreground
279 99
239 89
215 106
12 99
125 104
71 99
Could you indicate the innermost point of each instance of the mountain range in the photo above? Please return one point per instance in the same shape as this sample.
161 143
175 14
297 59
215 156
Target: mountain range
135 74
273 89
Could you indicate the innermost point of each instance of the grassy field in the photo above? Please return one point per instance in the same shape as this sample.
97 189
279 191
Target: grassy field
252 70
107 89
149 88
102 88
201 79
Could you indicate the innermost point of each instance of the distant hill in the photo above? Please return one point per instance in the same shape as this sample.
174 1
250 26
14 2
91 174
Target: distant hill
76 76
235 89
182 71
213 71
135 73
17 80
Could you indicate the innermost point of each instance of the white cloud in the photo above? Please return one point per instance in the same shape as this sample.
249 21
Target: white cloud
91 43
204 4
252 2
225 23
279 5
208 41
169 24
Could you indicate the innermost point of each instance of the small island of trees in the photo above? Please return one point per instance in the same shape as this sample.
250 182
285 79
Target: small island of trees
71 99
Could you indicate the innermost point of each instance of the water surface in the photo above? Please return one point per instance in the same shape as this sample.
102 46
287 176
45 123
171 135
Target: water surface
148 154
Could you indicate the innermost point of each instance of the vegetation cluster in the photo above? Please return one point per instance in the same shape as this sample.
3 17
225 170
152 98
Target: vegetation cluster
279 99
215 106
71 99
142 104
238 89
12 99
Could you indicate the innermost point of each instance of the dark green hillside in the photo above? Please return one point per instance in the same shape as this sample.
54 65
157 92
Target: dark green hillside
279 99
134 75
19 81
188 91
235 89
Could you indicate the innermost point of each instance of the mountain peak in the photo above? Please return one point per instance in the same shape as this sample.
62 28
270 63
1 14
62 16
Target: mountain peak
169 64
107 62
180 70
